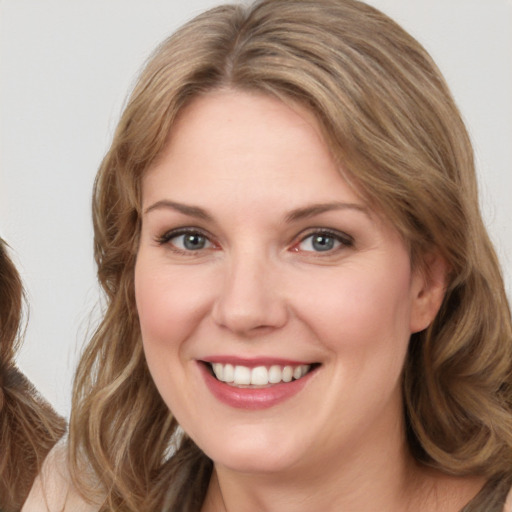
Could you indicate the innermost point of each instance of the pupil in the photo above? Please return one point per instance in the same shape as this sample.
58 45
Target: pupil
323 243
194 242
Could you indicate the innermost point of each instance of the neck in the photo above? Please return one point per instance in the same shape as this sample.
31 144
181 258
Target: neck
414 487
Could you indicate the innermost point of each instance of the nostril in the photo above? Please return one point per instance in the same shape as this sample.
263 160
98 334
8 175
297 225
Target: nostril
245 321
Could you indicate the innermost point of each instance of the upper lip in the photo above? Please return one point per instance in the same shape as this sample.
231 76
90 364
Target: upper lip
253 362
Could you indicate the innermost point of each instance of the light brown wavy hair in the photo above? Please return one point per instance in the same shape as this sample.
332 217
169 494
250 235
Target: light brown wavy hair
394 128
29 427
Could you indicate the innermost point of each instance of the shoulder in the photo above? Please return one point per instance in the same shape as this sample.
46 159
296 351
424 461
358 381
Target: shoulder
53 490
508 502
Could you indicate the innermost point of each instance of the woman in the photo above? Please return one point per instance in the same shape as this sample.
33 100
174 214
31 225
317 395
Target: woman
28 425
304 310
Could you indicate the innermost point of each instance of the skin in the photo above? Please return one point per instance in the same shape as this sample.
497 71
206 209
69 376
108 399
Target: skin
258 287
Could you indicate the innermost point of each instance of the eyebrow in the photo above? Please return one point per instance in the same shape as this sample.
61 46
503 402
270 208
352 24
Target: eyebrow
293 216
317 209
192 211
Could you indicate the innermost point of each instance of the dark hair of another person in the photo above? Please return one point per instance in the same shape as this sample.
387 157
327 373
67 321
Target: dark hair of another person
29 427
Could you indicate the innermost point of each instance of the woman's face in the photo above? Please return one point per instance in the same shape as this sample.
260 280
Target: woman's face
258 265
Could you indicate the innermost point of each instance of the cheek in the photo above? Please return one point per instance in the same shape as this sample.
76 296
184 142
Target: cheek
169 302
361 308
170 306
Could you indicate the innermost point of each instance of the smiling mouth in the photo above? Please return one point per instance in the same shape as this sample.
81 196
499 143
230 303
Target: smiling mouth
258 376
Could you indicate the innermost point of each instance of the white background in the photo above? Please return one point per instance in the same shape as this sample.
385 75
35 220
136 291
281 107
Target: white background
65 69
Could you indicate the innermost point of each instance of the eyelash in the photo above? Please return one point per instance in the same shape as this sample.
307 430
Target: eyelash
168 236
342 239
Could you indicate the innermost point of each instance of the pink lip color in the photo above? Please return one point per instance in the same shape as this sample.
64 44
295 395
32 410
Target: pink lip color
252 398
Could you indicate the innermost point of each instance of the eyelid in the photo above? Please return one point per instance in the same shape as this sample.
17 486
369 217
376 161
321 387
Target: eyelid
185 230
344 239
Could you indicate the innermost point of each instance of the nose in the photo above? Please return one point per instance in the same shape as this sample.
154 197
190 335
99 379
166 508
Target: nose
251 300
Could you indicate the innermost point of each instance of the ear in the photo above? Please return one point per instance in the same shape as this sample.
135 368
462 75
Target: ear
428 289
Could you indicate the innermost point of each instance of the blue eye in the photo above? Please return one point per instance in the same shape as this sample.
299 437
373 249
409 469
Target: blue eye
187 241
323 242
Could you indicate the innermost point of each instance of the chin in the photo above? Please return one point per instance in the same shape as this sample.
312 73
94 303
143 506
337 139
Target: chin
253 455
261 463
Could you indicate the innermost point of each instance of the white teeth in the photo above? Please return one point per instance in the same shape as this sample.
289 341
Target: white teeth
287 374
242 375
259 375
228 373
275 374
218 370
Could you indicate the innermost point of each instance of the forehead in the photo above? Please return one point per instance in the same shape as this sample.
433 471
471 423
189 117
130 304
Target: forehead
232 140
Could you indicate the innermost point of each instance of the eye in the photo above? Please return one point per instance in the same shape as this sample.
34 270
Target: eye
323 241
186 240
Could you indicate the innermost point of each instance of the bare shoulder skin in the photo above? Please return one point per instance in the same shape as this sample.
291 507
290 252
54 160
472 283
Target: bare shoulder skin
52 490
508 503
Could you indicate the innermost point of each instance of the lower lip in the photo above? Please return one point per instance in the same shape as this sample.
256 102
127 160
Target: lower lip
252 398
